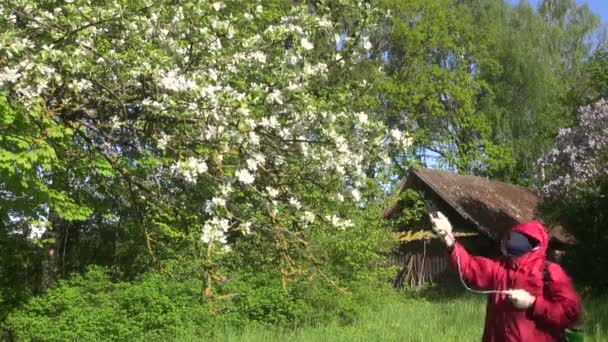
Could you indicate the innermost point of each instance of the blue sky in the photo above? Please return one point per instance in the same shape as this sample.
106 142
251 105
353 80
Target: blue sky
598 6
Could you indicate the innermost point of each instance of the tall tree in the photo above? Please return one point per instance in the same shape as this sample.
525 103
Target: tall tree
193 125
484 86
433 56
540 55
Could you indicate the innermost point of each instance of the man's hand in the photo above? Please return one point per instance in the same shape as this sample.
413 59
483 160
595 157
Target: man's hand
443 228
521 299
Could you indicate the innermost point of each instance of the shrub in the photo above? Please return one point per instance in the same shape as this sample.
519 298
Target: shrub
576 191
92 307
342 271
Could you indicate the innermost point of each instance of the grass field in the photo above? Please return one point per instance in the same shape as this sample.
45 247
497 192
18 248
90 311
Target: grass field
412 319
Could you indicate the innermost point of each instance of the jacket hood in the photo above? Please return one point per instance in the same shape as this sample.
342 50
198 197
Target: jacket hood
537 231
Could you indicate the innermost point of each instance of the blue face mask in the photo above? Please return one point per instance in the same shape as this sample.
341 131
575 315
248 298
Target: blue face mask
518 244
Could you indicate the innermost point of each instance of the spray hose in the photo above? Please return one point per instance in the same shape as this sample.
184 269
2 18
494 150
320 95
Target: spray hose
464 284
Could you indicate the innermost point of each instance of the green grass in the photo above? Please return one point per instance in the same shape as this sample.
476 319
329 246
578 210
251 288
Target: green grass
403 318
410 320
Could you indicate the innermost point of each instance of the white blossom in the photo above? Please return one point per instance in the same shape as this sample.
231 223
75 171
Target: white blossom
115 122
308 217
271 122
191 168
293 86
295 203
218 202
275 97
245 176
9 75
292 59
367 45
356 194
173 81
396 134
81 85
258 56
306 44
245 228
407 141
226 189
215 45
324 22
163 141
362 118
252 164
215 230
272 192
338 222
254 138
230 97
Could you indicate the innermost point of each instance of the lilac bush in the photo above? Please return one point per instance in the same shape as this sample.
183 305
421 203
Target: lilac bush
580 156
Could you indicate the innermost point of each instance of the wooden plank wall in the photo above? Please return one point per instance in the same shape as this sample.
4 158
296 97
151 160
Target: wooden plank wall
417 269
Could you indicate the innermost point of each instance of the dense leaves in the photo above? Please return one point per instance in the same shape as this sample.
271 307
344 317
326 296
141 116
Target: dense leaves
576 189
198 123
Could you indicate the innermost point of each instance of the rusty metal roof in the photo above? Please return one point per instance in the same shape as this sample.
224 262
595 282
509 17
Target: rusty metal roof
491 206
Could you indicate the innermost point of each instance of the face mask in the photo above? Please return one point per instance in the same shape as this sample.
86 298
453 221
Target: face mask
518 244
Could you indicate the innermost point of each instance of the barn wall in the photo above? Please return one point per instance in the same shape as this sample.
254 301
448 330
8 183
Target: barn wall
417 268
423 262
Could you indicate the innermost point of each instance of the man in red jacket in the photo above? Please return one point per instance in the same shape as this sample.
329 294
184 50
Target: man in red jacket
541 302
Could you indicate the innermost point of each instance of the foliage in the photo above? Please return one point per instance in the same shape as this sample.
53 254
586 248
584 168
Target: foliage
32 150
29 147
413 208
595 86
358 254
93 306
482 86
584 213
539 57
576 190
192 126
579 159
430 51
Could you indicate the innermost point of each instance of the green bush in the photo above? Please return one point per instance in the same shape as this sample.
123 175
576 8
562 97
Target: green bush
585 214
261 299
92 307
346 275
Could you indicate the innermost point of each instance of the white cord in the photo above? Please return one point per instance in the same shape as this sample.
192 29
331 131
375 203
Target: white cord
465 284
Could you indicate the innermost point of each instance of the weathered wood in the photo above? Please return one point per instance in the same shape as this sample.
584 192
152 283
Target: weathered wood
418 269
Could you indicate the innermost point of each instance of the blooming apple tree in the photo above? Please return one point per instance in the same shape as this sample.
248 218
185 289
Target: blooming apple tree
222 119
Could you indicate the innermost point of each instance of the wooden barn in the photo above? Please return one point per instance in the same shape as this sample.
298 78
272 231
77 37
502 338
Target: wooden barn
480 211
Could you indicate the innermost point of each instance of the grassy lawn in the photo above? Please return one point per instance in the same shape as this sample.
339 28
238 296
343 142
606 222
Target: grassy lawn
409 319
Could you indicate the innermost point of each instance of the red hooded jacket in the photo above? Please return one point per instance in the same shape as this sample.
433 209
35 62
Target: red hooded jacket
557 304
